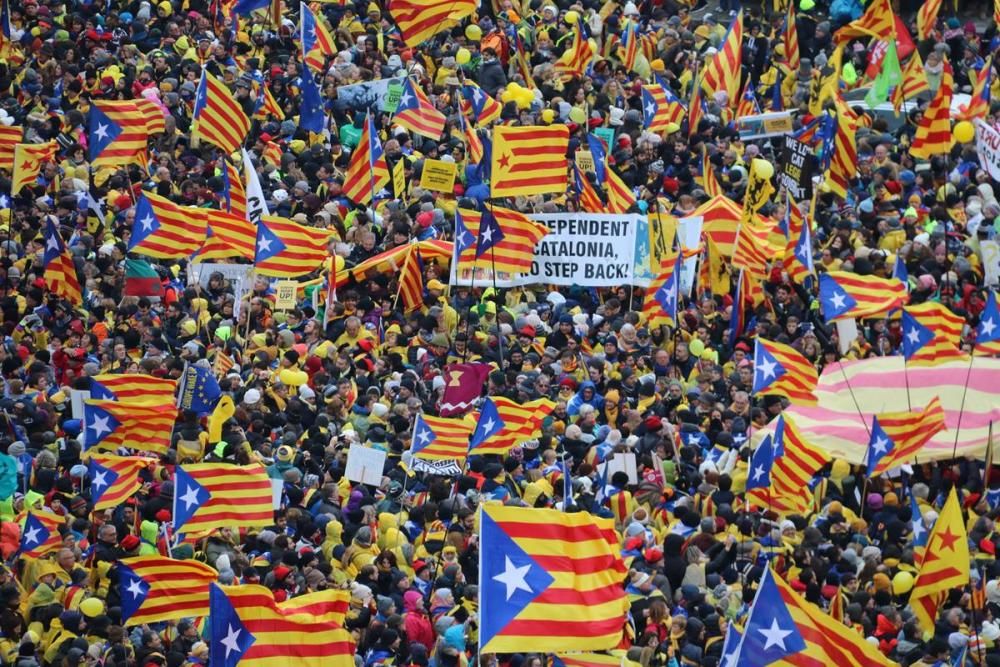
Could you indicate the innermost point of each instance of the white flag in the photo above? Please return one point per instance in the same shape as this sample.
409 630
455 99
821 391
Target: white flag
256 204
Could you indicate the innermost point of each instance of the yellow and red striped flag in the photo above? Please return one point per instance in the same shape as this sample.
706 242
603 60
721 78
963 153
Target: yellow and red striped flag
152 115
229 235
513 253
529 160
267 106
214 495
218 117
723 71
28 161
753 251
234 195
584 660
59 269
119 131
114 479
10 136
897 437
576 58
419 20
933 135
40 534
878 21
441 438
796 461
914 82
843 294
133 388
550 580
620 196
844 161
287 249
836 609
272 154
931 334
473 142
782 370
316 39
927 18
479 104
946 561
248 628
157 588
503 424
662 299
164 230
367 172
140 426
629 46
810 637
416 113
791 38
223 362
709 183
979 103
590 201
660 107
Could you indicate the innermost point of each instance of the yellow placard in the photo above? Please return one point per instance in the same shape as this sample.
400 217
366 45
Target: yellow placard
438 175
585 161
285 294
782 124
398 180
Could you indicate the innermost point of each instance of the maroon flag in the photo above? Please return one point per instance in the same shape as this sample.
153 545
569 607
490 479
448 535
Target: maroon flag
463 383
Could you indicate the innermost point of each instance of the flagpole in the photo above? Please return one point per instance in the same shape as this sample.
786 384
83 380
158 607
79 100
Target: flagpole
906 381
961 407
496 292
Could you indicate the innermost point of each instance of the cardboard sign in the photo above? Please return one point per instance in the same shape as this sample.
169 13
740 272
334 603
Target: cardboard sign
584 161
624 462
393 94
285 294
364 465
607 134
398 180
438 175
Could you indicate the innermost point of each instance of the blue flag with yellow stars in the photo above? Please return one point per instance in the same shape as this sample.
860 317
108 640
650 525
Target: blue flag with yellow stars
199 390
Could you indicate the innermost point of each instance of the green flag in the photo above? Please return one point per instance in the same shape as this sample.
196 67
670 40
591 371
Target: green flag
889 76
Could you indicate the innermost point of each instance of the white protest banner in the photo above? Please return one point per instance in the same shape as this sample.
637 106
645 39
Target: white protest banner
364 465
442 468
256 203
689 233
277 490
988 148
584 249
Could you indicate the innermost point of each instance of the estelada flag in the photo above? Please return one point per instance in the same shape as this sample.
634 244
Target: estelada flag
40 534
141 426
28 161
287 249
164 230
549 580
504 424
946 561
419 20
214 495
114 479
132 387
849 295
529 160
439 438
247 628
156 588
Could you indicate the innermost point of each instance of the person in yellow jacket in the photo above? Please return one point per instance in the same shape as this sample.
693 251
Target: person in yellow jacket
361 552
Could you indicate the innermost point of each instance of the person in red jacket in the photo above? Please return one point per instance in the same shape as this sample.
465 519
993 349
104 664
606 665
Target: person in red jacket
417 623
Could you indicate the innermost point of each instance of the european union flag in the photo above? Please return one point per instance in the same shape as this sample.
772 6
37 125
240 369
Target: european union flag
770 633
311 114
199 390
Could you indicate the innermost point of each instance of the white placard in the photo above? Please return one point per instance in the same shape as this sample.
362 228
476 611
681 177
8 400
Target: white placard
990 251
689 233
585 249
847 332
277 489
76 399
988 148
365 465
625 462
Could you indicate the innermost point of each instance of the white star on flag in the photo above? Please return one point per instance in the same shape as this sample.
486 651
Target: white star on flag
264 244
147 222
100 426
775 635
100 479
190 497
513 577
230 640
913 336
767 369
837 300
988 326
31 536
881 445
134 588
102 132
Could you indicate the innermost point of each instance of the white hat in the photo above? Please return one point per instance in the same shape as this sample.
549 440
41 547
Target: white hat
990 631
251 397
617 116
306 392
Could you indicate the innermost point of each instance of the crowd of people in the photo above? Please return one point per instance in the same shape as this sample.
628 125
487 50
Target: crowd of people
406 549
